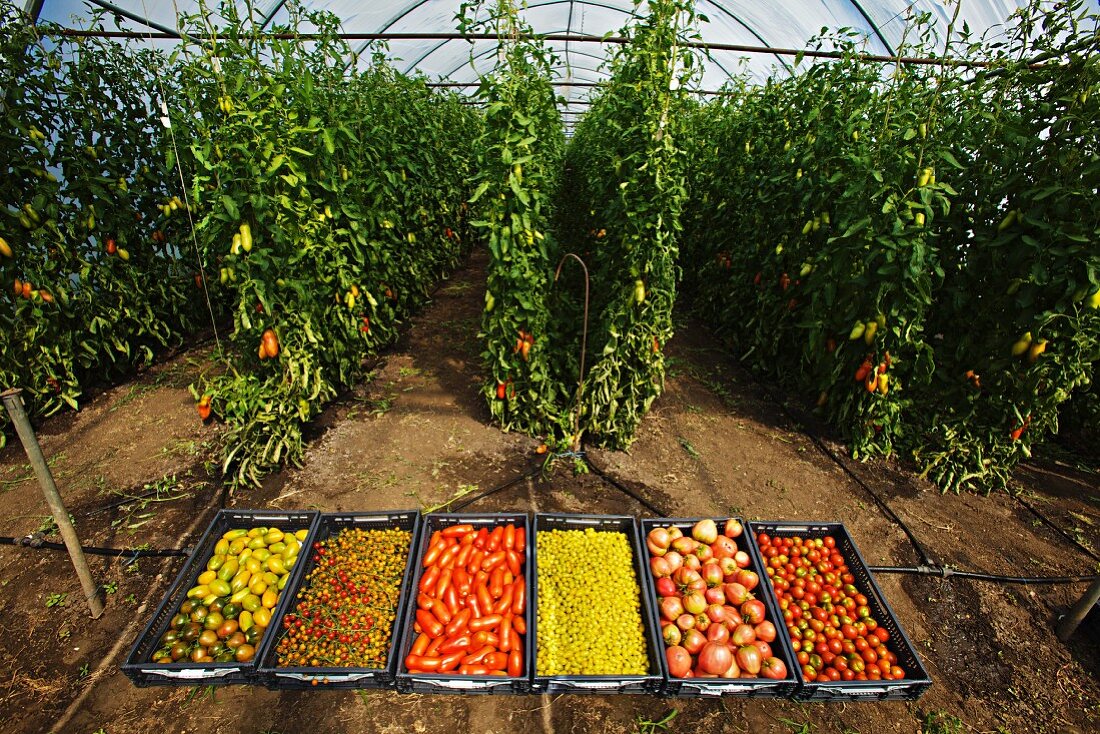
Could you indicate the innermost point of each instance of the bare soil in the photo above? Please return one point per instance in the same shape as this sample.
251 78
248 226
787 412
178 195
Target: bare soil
417 434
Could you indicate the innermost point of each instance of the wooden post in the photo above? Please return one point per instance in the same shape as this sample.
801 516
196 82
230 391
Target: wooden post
13 403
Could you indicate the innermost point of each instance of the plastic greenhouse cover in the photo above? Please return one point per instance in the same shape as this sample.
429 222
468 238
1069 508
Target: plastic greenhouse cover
769 23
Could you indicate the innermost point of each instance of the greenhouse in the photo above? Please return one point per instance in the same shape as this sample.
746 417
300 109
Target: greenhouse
561 365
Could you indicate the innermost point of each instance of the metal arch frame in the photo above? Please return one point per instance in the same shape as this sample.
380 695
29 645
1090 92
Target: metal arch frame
270 15
545 4
33 8
720 7
493 49
449 75
112 8
874 27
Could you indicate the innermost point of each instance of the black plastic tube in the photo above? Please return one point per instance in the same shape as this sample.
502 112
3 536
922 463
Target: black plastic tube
31 541
978 576
499 488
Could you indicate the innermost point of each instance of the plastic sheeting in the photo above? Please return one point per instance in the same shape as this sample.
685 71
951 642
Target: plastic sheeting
770 23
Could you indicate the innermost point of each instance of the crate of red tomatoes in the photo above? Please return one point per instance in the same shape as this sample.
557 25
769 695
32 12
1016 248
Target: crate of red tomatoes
721 627
466 618
847 641
340 628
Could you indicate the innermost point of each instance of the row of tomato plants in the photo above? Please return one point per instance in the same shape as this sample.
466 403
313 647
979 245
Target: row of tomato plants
612 196
328 200
621 201
913 250
518 173
541 201
92 226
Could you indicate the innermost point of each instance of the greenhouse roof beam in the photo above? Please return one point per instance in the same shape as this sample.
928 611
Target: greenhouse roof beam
532 6
1037 62
874 26
270 15
34 9
171 32
492 50
752 31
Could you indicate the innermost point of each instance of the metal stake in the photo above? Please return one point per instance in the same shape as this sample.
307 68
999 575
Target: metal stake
13 403
1069 623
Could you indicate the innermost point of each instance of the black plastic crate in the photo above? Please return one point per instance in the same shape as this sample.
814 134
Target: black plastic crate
601 684
298 678
908 689
781 647
453 683
139 666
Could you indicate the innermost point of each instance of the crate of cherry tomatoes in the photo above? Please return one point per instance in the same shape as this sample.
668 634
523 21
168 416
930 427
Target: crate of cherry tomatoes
721 626
340 628
218 618
466 618
847 641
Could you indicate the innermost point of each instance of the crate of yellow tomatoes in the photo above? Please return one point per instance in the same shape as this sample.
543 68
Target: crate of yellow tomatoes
216 621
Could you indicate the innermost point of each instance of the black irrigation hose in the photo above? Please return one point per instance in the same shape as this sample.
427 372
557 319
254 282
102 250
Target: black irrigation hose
625 489
1057 528
929 567
35 541
926 560
499 488
942 572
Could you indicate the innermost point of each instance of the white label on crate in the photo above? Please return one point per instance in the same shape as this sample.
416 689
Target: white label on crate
459 685
331 678
191 674
853 691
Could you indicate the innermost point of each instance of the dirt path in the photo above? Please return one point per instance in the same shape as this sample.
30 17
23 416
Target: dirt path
417 434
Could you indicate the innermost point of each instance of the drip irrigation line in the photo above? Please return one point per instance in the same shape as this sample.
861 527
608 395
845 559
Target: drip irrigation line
929 567
926 560
35 541
499 488
943 572
125 501
1057 528
625 489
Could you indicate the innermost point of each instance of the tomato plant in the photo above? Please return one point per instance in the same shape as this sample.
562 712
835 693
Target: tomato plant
916 260
518 165
329 200
622 195
84 192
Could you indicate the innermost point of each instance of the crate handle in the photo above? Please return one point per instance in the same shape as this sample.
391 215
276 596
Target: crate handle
835 691
792 529
191 674
376 518
349 678
710 690
262 517
593 685
458 685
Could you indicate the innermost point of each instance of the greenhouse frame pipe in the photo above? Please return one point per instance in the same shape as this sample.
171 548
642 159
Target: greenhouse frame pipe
13 403
568 24
111 7
616 40
34 9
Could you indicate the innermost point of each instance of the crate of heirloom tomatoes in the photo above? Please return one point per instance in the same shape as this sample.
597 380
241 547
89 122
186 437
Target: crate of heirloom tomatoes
847 641
218 617
720 626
